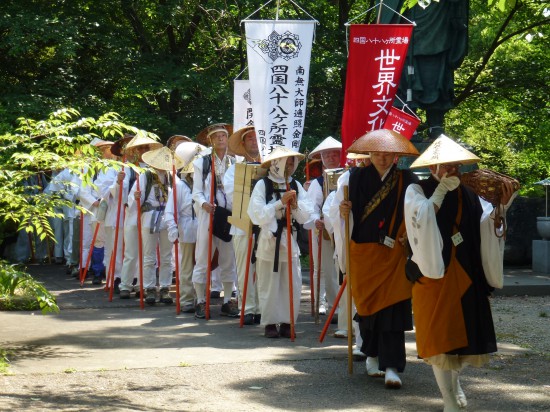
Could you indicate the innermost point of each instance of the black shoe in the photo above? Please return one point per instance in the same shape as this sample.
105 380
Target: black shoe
200 310
334 320
97 280
117 286
134 282
234 294
165 296
248 319
230 309
151 296
214 294
271 331
103 273
284 330
257 318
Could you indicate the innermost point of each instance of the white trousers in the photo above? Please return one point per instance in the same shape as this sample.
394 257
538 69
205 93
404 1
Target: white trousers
273 290
329 274
63 233
226 254
187 292
109 249
252 304
150 242
130 264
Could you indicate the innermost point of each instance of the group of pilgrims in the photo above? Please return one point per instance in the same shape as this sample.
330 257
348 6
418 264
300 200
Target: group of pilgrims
410 246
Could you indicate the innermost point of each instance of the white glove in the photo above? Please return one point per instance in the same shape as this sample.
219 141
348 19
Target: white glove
173 234
445 184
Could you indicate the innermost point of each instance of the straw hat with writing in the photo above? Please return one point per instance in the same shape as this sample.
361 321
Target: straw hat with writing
204 135
383 141
162 159
330 143
444 150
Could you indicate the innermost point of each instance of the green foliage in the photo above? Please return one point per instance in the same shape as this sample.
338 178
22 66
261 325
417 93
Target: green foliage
168 67
20 291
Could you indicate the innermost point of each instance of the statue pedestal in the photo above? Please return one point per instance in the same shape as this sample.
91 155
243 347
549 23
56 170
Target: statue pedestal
541 256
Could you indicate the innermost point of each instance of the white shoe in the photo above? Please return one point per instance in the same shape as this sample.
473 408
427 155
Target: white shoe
373 368
392 380
358 355
341 333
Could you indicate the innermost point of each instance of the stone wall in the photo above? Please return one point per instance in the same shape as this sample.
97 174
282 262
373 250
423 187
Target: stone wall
522 229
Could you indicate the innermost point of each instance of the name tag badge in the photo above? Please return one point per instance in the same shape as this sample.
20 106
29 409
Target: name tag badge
389 242
457 239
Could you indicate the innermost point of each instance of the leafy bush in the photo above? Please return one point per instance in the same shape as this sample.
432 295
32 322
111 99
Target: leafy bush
20 291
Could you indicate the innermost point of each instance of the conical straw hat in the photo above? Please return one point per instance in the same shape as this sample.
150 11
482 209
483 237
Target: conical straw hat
383 141
175 140
236 139
162 159
278 153
188 152
444 150
204 135
142 140
330 143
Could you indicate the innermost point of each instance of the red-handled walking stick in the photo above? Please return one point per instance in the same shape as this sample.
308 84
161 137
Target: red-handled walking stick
289 259
140 245
210 234
117 229
176 243
331 314
89 258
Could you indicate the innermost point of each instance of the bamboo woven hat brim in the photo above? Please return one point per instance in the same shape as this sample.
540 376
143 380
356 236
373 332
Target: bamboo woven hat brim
236 139
162 159
383 141
141 140
278 153
120 145
204 135
330 143
444 150
357 156
173 141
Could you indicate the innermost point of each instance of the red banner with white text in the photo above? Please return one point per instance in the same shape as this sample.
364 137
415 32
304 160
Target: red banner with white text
376 58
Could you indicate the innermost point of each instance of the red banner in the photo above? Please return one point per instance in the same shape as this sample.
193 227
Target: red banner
401 122
376 58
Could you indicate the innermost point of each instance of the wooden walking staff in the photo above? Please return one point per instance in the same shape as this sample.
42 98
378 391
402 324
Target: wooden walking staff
318 283
176 243
246 275
310 246
289 258
348 276
210 233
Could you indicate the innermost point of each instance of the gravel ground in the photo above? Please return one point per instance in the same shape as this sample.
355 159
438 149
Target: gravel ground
515 380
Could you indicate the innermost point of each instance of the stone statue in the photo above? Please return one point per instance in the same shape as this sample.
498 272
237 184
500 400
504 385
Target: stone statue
439 45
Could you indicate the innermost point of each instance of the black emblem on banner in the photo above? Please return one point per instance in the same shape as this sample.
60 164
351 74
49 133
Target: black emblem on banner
286 46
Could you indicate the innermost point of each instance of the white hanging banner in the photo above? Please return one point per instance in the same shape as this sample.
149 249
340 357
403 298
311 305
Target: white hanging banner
279 53
242 105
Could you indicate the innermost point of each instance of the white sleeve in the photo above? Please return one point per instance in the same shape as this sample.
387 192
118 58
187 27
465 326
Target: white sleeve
260 213
315 196
199 196
338 223
327 210
305 208
492 247
229 185
423 233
